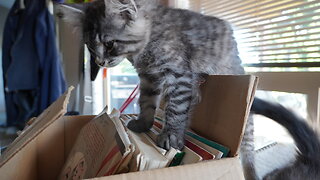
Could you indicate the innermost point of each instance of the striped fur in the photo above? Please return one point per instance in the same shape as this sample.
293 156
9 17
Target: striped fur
170 49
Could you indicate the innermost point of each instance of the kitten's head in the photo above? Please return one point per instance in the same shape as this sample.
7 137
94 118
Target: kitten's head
112 29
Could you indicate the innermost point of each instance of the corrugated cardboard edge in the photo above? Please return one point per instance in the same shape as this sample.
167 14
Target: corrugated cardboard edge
211 122
227 168
55 111
251 93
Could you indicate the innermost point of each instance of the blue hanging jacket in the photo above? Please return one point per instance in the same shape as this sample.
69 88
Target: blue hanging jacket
20 59
52 77
30 57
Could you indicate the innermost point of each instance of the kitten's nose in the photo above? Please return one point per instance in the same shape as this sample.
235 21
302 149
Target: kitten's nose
100 63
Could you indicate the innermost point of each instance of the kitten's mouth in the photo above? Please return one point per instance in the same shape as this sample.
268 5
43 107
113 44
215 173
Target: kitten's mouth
100 63
112 64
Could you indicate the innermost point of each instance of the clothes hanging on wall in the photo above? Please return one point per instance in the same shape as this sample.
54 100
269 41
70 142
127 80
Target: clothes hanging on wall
32 72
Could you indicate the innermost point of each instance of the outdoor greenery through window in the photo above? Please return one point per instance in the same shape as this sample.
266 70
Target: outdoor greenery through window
272 35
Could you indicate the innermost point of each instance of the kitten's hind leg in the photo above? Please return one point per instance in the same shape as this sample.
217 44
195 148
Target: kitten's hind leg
150 89
178 96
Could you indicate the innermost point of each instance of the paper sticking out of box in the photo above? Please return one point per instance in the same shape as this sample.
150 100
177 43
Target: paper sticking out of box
147 155
102 148
105 147
195 149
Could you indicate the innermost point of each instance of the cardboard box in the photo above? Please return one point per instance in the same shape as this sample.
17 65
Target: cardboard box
102 148
41 150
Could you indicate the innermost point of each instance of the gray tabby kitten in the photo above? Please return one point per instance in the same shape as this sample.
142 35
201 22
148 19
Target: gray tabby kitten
307 163
170 49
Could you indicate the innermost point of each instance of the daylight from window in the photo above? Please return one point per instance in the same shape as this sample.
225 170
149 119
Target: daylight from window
122 81
285 32
280 33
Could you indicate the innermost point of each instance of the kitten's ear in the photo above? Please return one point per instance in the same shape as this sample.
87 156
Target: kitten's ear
126 8
71 13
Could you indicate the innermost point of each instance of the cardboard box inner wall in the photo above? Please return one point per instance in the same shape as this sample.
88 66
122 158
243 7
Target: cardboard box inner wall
40 152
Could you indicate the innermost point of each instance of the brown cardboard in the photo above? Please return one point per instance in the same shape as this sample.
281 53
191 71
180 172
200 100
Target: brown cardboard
40 152
224 169
52 113
223 110
97 140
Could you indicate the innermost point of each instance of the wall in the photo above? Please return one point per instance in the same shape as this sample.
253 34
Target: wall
295 82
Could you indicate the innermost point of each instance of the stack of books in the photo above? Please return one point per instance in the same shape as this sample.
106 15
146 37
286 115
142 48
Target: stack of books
105 146
196 148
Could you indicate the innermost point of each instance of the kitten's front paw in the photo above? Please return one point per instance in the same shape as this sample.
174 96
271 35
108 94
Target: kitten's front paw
167 140
138 125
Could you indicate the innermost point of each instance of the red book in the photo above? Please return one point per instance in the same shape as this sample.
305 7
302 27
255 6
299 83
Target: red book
203 153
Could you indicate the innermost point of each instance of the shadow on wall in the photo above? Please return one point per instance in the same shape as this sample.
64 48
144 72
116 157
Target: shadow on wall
3 15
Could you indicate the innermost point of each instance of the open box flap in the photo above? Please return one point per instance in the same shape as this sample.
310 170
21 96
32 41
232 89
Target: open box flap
222 113
55 111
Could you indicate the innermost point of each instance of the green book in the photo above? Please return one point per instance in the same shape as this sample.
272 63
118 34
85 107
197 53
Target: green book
157 118
212 144
177 159
215 145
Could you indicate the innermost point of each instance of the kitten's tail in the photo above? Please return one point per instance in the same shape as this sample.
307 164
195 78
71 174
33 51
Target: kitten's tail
306 139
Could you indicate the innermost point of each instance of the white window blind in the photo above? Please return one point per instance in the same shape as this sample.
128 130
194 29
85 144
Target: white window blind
270 33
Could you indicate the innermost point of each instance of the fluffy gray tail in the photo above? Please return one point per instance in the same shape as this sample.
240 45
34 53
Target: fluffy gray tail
305 138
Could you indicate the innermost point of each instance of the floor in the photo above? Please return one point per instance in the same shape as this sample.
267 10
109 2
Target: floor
5 139
274 146
276 155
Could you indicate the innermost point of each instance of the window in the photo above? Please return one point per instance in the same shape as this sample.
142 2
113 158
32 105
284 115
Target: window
275 36
121 81
272 35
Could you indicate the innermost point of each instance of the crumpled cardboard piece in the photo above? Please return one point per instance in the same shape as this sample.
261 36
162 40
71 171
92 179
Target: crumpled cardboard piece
39 124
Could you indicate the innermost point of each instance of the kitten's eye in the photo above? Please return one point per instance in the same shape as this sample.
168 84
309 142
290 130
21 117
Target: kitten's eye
109 45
